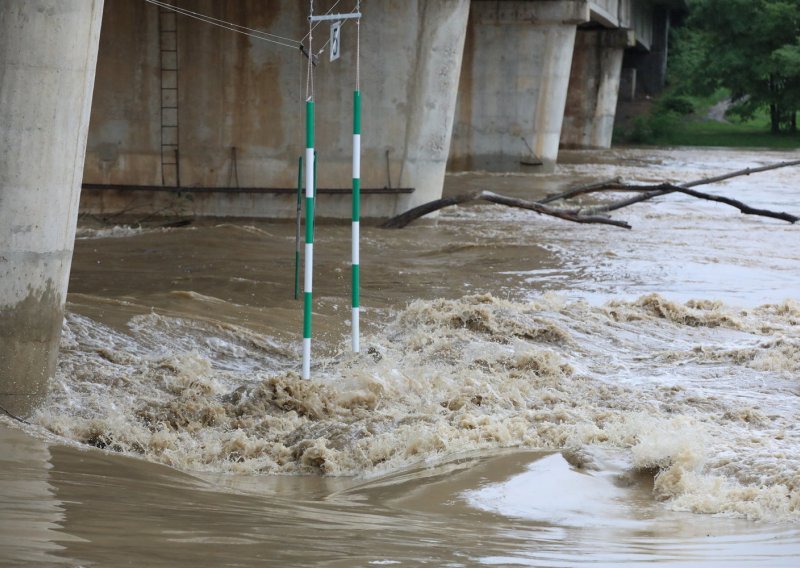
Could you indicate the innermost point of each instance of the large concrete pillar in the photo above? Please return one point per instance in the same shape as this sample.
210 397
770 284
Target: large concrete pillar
48 50
433 90
513 89
594 87
237 92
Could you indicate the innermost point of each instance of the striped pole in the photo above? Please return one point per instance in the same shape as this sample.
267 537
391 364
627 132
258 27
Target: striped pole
309 252
297 228
356 217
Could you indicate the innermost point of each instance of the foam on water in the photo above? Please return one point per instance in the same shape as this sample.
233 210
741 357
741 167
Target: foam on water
699 394
117 231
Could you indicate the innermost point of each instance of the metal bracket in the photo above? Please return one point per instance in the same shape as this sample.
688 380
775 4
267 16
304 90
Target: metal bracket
312 58
328 17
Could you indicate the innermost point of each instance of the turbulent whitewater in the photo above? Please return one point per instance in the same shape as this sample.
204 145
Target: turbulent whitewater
529 392
699 394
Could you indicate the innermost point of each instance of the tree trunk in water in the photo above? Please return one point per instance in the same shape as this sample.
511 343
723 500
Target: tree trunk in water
595 214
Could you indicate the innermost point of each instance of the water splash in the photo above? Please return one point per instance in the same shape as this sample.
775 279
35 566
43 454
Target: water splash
699 394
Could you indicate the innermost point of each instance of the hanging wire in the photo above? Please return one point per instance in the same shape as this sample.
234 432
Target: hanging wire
358 47
322 49
310 37
312 28
327 43
344 23
244 30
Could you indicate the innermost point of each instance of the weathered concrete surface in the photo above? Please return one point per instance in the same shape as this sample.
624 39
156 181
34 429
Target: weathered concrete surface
48 50
594 86
621 54
613 13
514 83
132 205
236 91
124 134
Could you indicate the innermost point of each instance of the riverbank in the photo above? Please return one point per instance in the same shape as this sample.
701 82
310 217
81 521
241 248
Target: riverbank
689 121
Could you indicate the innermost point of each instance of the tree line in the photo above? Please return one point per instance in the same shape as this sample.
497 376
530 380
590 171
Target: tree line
750 48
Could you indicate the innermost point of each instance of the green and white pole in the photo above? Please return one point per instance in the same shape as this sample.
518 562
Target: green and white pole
297 228
356 218
309 249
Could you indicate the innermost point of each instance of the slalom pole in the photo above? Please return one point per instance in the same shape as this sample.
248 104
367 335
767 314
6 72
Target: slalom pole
310 164
297 228
355 324
316 161
356 218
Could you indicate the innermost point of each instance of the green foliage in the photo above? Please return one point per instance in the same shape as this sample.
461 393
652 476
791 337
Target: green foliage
787 58
652 129
670 129
753 133
641 133
750 47
686 62
680 104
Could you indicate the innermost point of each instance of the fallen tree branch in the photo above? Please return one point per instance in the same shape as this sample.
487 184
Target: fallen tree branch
591 188
650 192
593 215
573 215
744 172
617 185
400 221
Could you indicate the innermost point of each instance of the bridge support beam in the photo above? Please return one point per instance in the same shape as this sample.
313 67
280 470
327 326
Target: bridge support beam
594 87
48 50
650 64
513 89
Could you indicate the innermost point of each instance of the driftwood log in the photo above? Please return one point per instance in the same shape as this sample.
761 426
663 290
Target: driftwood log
598 214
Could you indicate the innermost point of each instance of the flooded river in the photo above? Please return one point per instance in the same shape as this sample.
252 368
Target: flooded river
531 392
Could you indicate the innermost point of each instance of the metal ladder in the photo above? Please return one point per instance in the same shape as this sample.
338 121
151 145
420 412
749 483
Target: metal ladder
168 47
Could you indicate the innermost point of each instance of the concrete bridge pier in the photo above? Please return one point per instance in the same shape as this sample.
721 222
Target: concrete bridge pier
432 102
229 91
514 81
594 87
48 51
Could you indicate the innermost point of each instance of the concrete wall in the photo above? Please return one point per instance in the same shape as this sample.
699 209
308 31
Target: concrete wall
514 83
612 13
642 23
132 205
124 135
594 86
520 86
236 91
48 50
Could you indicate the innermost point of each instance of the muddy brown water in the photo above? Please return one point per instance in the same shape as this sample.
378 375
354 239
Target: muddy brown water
532 392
